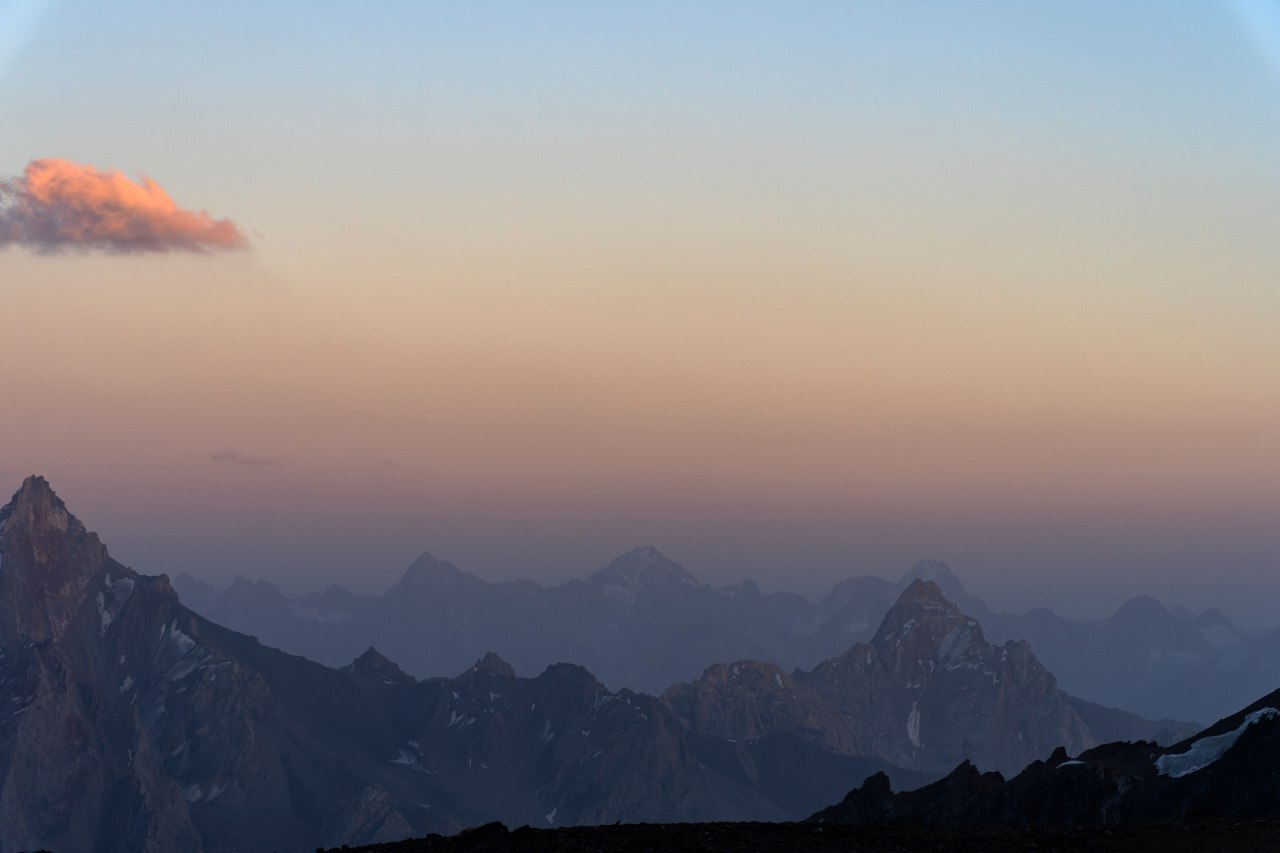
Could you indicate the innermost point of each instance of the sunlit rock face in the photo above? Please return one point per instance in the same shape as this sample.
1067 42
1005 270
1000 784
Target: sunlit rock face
47 564
927 692
74 764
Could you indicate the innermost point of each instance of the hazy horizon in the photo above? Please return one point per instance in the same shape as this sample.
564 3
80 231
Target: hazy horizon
369 568
790 292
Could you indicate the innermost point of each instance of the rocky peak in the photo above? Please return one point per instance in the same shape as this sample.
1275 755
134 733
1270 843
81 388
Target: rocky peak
242 587
47 562
491 664
923 619
941 574
428 572
369 817
374 664
643 568
36 511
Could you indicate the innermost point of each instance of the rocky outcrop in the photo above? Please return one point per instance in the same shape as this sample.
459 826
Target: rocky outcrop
370 817
374 664
1230 769
926 693
73 763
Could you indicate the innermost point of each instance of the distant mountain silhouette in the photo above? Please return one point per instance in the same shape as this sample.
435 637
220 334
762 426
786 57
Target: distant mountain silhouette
1150 659
642 622
645 622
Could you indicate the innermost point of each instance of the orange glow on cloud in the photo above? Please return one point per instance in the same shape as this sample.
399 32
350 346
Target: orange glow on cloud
57 204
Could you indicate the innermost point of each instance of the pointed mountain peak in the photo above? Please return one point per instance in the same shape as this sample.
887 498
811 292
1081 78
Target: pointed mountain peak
242 590
49 561
643 568
924 618
427 571
925 594
374 664
428 562
491 664
36 503
941 574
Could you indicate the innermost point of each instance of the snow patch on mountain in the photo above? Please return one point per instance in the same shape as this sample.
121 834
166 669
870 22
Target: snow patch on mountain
913 724
1207 750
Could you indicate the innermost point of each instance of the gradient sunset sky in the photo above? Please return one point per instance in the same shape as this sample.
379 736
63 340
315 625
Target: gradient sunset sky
792 291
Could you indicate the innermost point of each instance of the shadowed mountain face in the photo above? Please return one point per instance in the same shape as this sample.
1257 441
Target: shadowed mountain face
1229 769
127 722
927 692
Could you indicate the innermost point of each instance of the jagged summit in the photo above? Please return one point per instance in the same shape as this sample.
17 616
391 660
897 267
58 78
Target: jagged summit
920 600
492 664
49 561
427 572
922 610
925 593
941 574
642 568
36 501
925 625
241 584
374 664
926 693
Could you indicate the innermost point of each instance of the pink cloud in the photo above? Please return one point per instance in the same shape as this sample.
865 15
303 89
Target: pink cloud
57 204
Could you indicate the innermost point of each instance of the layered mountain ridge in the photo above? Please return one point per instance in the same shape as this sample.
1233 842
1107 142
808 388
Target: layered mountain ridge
646 622
128 722
928 691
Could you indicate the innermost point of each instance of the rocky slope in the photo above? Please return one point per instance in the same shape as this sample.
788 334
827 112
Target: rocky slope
1230 769
1185 836
927 692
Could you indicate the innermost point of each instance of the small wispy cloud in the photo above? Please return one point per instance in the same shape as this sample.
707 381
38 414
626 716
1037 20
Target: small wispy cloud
57 205
235 457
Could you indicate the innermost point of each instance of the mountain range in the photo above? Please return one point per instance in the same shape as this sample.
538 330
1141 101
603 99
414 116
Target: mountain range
645 622
129 722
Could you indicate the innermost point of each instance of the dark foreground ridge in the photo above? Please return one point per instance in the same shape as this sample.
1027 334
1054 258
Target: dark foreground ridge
1182 836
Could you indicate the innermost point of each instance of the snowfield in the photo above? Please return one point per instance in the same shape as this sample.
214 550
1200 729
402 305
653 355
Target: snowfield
1207 750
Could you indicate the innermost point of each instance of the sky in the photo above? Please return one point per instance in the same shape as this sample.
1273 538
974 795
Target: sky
791 291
